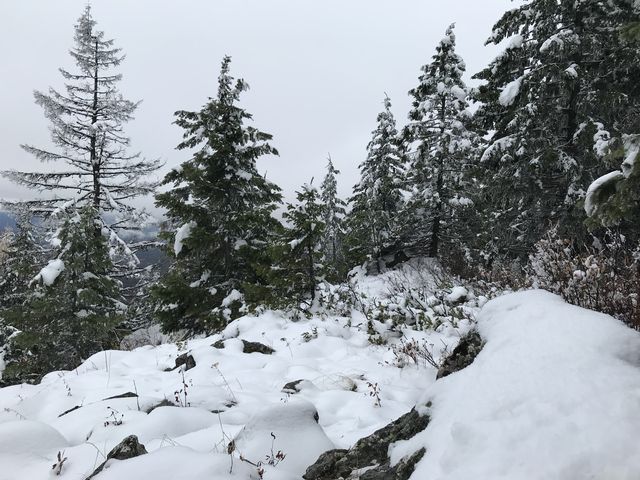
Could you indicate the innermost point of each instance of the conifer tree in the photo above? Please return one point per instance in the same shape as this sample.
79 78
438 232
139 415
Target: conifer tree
378 197
556 100
21 257
334 232
442 145
300 265
73 307
220 207
87 127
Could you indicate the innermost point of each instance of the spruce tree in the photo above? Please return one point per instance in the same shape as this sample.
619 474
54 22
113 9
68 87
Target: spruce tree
554 101
334 211
373 221
220 207
441 146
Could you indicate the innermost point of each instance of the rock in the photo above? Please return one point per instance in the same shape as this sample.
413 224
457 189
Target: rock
463 355
185 359
292 387
122 395
127 448
248 347
368 459
72 409
163 403
252 347
291 428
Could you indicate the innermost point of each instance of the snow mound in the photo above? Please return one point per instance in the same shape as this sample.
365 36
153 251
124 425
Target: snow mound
291 428
30 437
554 394
172 463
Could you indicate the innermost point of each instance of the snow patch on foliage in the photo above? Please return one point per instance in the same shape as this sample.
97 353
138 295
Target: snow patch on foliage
510 92
590 204
181 235
50 272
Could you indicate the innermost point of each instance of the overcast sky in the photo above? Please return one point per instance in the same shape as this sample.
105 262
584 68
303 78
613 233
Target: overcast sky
318 70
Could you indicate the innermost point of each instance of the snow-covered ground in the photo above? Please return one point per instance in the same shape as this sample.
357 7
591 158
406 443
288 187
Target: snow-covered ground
555 394
354 386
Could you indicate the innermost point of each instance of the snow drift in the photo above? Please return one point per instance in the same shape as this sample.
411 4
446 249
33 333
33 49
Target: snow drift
554 394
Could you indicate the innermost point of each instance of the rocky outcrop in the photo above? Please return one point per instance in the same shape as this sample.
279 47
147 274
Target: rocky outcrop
463 355
249 347
367 459
127 448
187 360
256 347
292 387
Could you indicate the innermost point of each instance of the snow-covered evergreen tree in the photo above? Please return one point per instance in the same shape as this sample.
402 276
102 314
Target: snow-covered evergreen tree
441 147
377 199
334 232
300 262
21 256
73 306
87 127
561 94
221 209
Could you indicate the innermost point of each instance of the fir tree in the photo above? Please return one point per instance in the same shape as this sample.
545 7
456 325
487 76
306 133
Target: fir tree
333 216
87 126
441 143
21 256
378 197
300 266
73 308
221 208
562 93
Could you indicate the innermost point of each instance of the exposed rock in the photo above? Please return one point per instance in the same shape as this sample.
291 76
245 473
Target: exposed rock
122 395
367 459
463 355
163 403
292 387
72 409
127 448
218 344
251 347
185 359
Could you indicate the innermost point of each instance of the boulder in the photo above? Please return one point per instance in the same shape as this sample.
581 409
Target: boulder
368 458
185 359
463 355
256 347
127 448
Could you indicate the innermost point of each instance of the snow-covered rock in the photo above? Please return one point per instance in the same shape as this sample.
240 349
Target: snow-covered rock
291 428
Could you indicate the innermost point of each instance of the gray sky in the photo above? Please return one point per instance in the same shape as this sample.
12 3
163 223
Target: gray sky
318 71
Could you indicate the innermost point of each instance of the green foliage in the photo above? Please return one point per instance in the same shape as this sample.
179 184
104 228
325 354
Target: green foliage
299 261
554 102
334 232
373 223
221 209
442 144
64 320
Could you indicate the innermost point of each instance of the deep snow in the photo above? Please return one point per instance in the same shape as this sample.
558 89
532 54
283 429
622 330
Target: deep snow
554 394
230 395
